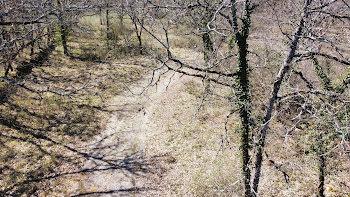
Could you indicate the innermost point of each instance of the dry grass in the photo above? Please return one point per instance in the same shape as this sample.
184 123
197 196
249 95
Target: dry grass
198 158
198 163
191 141
39 132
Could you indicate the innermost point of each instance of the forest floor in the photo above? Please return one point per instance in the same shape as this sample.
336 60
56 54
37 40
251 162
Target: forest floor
158 144
120 163
162 144
176 139
126 159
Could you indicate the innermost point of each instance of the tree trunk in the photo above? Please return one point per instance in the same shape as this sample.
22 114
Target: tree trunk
138 32
48 36
208 46
207 42
121 16
321 175
244 111
6 36
107 25
63 30
243 94
64 39
276 87
139 38
100 12
32 44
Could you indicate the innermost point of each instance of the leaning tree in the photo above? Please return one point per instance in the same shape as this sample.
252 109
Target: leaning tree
311 30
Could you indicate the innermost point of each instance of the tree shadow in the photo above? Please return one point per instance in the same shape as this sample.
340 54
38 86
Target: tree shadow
104 154
131 164
119 191
25 68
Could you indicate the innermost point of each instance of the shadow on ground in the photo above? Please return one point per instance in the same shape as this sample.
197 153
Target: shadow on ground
106 159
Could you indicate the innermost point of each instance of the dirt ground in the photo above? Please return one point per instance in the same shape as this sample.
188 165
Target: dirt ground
118 162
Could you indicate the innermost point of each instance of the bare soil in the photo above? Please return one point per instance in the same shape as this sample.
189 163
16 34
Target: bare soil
118 162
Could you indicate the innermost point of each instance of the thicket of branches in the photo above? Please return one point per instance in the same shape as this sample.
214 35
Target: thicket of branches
304 92
308 93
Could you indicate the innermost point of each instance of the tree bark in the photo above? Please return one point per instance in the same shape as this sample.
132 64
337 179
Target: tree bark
100 12
63 30
208 46
244 111
32 44
48 36
121 15
206 39
243 94
276 87
64 39
321 175
107 25
138 31
6 36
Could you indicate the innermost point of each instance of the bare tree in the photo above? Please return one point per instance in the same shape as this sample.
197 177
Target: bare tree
314 38
137 11
222 20
316 35
25 24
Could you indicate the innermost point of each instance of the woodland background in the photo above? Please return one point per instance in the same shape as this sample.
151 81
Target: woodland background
256 101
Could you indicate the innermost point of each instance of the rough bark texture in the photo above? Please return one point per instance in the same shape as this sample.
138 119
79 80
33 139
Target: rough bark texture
321 175
208 46
206 38
243 93
100 13
107 24
138 30
234 16
64 39
63 31
276 87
